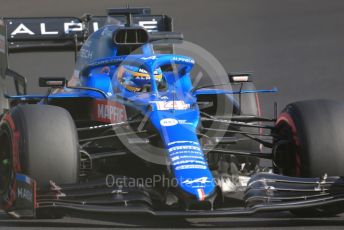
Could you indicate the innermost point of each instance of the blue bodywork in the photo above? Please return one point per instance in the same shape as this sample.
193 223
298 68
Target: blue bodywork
173 111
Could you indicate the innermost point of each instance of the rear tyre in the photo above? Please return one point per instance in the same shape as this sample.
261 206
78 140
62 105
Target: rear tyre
312 132
3 100
226 106
249 105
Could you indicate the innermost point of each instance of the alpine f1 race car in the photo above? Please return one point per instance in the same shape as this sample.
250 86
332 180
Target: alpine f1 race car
132 132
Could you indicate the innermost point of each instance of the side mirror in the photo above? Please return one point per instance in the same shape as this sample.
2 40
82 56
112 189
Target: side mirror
53 82
240 77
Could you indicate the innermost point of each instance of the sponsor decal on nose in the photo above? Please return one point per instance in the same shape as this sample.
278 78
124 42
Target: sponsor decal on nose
168 122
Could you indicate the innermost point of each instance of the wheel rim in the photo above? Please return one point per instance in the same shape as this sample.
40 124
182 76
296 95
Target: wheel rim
287 155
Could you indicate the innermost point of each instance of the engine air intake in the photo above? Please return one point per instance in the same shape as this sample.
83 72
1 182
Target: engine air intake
130 36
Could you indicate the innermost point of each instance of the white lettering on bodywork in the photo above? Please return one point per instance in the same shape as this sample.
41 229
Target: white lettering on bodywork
45 32
150 26
22 29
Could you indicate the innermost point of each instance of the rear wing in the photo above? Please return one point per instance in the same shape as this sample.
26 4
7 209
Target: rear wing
65 33
39 34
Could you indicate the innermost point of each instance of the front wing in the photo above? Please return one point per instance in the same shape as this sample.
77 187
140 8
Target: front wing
266 192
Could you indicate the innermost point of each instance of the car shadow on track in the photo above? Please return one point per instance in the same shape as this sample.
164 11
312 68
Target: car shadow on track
276 220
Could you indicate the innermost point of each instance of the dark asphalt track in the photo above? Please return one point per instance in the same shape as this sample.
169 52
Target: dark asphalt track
296 45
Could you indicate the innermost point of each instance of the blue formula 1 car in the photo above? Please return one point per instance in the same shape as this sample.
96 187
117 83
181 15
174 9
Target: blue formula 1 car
131 133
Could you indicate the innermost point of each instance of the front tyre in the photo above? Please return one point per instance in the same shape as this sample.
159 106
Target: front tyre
311 144
40 141
48 148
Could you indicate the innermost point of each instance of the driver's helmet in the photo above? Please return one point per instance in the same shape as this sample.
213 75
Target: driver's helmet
136 79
